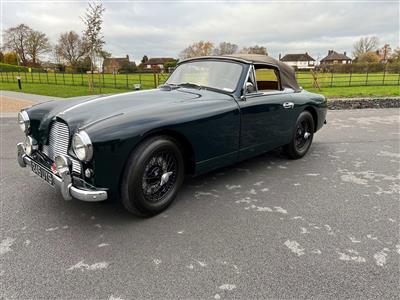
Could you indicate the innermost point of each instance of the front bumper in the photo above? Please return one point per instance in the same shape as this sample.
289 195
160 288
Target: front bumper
63 182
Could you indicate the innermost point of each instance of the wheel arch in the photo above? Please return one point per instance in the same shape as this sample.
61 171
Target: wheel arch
184 145
314 114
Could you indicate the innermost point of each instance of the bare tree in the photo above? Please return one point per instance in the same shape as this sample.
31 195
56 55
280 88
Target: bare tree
226 48
364 45
255 50
197 49
70 48
92 35
37 43
15 39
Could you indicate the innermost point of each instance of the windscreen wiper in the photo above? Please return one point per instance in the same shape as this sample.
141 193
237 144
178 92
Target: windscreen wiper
191 85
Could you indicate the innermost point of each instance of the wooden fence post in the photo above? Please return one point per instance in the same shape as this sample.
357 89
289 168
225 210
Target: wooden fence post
32 76
154 77
63 77
47 76
351 75
73 82
115 81
55 77
384 74
366 78
126 80
12 75
82 79
332 77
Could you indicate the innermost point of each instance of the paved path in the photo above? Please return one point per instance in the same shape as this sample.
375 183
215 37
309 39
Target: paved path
326 226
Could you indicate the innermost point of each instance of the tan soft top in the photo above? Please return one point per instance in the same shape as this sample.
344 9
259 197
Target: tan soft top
287 74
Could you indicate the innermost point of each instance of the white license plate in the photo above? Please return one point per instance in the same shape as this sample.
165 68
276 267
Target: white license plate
42 172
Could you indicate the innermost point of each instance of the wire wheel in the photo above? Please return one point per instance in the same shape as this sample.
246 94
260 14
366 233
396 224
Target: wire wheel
159 176
303 135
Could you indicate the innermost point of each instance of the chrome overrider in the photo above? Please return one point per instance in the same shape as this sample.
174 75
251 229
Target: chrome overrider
64 181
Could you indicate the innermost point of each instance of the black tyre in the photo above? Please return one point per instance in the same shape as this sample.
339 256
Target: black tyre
152 177
302 136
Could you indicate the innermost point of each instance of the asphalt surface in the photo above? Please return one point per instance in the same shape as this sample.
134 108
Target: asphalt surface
325 226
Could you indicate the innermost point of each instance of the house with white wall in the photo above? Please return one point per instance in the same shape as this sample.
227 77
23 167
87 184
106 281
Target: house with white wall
302 61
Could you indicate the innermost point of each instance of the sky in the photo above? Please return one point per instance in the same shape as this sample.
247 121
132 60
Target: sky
165 28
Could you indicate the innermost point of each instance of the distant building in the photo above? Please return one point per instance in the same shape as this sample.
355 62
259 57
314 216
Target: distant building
114 64
335 58
156 62
299 61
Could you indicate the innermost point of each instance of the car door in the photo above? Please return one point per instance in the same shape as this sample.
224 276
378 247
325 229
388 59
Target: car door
266 113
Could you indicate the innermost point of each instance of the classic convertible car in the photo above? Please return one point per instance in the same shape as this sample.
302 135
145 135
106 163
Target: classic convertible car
138 146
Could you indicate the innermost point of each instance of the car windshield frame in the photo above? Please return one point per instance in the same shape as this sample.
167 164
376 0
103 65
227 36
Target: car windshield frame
231 91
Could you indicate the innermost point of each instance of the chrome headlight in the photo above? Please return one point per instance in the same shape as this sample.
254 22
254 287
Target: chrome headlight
82 146
23 121
30 145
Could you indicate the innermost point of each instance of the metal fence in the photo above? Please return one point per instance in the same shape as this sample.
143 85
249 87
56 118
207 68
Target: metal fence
306 79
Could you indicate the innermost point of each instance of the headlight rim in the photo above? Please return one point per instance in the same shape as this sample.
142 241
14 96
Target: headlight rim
25 121
30 145
86 143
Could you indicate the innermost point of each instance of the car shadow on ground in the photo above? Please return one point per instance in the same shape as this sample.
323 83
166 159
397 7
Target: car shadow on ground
112 213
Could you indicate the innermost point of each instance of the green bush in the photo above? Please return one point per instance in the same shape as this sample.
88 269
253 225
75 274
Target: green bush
14 68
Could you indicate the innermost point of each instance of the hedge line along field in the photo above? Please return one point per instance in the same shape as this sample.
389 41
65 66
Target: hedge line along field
150 80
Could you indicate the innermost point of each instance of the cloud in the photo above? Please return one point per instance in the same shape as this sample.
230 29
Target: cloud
165 28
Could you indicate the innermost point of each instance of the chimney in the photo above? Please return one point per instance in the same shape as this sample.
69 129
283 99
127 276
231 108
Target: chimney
306 53
279 56
344 53
330 52
127 57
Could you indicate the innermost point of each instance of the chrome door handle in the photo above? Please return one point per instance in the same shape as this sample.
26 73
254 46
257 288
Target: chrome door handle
288 105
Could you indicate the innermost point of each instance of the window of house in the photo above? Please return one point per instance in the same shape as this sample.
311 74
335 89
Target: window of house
267 79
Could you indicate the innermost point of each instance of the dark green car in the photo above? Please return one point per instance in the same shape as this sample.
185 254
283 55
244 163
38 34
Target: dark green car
138 146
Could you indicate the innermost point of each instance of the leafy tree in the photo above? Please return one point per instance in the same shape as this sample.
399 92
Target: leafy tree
37 43
16 40
144 59
226 48
170 64
197 49
70 48
92 35
10 58
395 57
364 45
254 50
127 67
368 57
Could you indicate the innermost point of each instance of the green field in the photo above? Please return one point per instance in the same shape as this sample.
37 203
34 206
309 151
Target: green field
72 91
63 91
149 80
123 81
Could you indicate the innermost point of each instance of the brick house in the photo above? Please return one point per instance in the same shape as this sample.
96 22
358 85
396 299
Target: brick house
156 62
334 57
114 64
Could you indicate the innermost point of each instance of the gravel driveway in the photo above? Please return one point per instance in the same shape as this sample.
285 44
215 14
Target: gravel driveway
326 226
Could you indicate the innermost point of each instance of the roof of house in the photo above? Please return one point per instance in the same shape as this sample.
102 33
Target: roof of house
297 57
158 60
333 55
120 60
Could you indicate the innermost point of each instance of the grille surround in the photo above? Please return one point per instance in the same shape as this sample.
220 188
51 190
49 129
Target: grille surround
58 144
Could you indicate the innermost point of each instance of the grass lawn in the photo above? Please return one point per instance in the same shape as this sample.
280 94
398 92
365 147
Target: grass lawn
63 91
72 91
358 91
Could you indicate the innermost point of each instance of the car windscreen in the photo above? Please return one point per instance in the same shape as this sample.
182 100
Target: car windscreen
222 75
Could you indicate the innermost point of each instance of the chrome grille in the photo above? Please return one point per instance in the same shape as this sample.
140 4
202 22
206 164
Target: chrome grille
58 144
